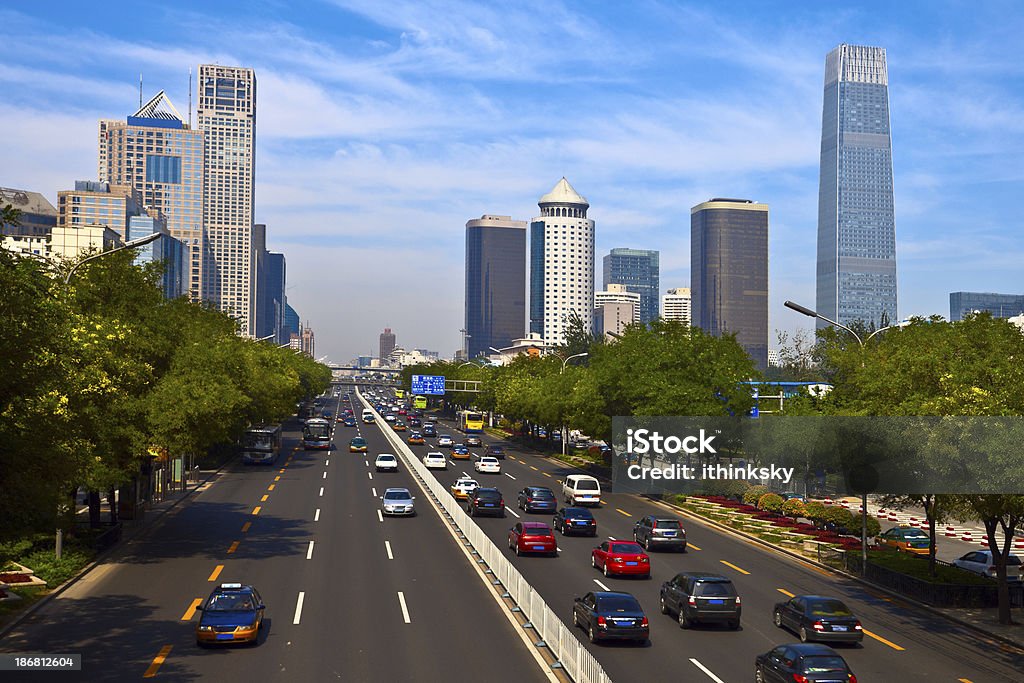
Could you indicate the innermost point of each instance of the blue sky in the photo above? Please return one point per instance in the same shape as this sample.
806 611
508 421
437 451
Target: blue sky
383 127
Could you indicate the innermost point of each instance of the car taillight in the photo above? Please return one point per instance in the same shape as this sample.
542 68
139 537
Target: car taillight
644 622
800 678
692 601
992 570
529 500
818 626
738 601
601 621
858 627
644 560
852 679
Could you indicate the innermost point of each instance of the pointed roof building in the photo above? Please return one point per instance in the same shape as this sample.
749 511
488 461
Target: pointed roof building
563 193
159 112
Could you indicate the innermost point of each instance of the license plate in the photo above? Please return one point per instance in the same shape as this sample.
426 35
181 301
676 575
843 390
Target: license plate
580 523
668 533
538 547
631 564
838 628
488 505
225 636
716 602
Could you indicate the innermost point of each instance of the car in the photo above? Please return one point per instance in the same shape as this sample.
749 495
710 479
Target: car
416 439
621 558
399 427
495 450
532 537
610 615
350 422
486 465
654 531
818 618
535 498
473 441
982 562
357 445
906 539
390 418
398 501
485 501
802 662
575 521
696 597
459 452
233 613
429 430
581 489
414 422
435 461
445 441
463 486
386 462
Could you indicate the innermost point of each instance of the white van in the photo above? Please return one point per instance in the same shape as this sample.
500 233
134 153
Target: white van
581 489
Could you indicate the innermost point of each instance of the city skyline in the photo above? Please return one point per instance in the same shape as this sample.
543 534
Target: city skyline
400 123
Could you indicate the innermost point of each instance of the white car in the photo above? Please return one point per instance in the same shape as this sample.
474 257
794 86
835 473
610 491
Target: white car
487 464
463 486
445 441
386 462
435 461
398 502
982 562
389 418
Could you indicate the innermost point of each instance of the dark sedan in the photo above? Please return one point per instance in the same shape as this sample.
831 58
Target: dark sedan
820 618
575 521
808 662
537 499
607 615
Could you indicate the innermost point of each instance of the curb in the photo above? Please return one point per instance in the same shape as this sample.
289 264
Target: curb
102 557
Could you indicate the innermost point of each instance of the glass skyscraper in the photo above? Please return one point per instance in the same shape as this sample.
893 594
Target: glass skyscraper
962 304
495 283
639 271
856 268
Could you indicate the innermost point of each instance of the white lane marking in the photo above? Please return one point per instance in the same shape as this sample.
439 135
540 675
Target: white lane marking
514 513
380 516
298 607
366 462
321 490
558 549
387 546
612 538
370 475
405 610
510 476
325 475
706 670
327 462
603 587
374 489
453 464
309 552
316 517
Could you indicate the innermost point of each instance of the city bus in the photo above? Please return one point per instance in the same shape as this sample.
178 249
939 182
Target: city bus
368 417
399 393
471 422
419 401
316 433
261 444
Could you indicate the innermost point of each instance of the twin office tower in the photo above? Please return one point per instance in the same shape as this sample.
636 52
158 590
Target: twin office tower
856 259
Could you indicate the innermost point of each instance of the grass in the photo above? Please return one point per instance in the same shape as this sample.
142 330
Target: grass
917 567
37 553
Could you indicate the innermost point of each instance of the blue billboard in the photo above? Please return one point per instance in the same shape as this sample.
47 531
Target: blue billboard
429 385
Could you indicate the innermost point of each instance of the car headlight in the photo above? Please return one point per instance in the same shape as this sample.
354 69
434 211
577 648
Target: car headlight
205 628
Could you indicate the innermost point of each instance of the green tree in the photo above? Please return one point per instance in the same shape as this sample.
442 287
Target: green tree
9 216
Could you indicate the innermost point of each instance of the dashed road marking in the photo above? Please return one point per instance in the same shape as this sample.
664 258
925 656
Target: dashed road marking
706 670
603 587
405 609
265 497
216 572
309 551
233 548
316 516
514 513
785 592
321 490
623 512
380 516
884 641
510 476
246 527
187 616
298 608
387 547
157 661
732 566
256 510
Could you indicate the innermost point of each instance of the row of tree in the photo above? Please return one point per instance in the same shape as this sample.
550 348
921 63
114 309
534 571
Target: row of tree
101 371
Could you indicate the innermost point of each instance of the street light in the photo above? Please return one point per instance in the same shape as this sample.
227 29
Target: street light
132 244
564 426
864 494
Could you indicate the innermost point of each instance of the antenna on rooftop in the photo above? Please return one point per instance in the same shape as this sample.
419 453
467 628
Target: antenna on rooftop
140 90
190 97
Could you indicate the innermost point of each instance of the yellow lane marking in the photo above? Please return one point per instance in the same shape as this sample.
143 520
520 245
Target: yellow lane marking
732 566
785 592
245 527
965 680
278 477
216 572
187 616
281 471
157 661
691 546
816 569
264 498
546 474
883 640
234 547
623 512
271 487
534 468
256 510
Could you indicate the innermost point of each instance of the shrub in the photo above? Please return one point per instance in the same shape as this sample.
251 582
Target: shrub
840 517
770 502
731 489
815 511
874 527
753 494
794 507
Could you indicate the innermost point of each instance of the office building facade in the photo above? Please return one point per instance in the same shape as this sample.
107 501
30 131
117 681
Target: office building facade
639 271
962 304
387 343
856 264
620 294
676 305
729 272
98 203
168 251
226 115
495 283
561 264
38 216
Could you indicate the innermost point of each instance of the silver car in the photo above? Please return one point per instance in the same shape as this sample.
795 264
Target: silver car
398 501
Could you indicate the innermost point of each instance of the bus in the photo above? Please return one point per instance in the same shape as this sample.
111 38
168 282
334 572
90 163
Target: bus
419 401
261 444
316 433
471 422
368 417
399 393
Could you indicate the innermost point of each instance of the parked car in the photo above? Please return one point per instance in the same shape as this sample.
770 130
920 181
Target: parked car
818 618
654 531
982 562
906 539
696 597
802 662
608 615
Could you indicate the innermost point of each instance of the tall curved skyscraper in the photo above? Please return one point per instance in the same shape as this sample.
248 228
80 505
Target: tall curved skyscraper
856 268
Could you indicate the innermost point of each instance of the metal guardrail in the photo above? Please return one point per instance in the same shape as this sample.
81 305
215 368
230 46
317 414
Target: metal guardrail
574 659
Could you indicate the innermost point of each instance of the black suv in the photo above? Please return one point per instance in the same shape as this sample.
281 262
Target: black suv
495 451
429 430
660 532
697 597
575 520
485 501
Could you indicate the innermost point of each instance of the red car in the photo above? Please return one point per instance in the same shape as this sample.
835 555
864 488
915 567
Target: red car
622 558
532 537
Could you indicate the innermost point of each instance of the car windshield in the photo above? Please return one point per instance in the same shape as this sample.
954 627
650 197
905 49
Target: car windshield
542 494
488 495
716 589
618 603
358 442
913 533
538 531
385 457
586 485
818 664
667 524
230 602
828 608
396 495
627 548
578 513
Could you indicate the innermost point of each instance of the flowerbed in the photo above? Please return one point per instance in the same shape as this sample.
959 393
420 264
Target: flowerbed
15 578
788 523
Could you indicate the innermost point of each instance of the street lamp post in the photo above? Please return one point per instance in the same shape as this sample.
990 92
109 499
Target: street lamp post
564 426
864 495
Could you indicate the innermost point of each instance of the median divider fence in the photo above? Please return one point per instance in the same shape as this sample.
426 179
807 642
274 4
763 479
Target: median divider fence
570 655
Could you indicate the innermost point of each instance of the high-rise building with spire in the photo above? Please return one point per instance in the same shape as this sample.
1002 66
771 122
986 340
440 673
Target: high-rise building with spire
561 264
856 271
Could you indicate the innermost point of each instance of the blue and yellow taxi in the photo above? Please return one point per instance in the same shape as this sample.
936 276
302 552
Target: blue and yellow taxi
232 614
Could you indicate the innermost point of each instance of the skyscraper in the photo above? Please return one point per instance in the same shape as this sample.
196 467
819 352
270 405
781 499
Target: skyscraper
387 344
962 304
495 282
561 263
729 271
675 305
92 203
856 269
638 269
155 152
227 117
